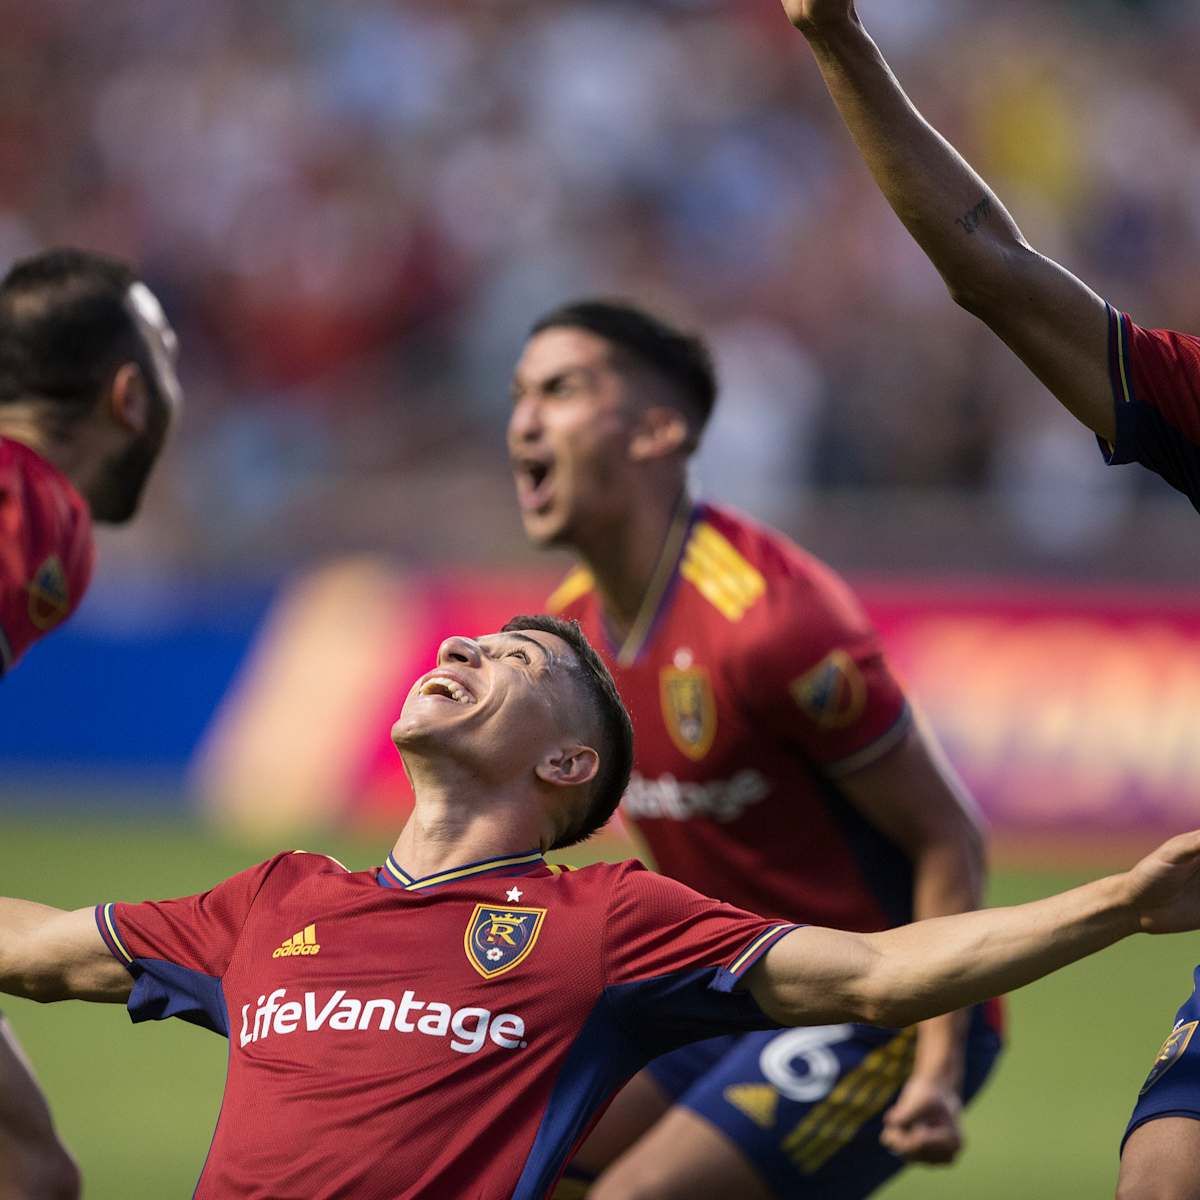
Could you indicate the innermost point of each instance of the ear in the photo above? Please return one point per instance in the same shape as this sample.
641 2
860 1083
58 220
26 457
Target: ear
660 432
569 766
129 398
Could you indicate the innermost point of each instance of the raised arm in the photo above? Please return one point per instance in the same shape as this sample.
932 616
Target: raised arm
1052 321
900 976
51 954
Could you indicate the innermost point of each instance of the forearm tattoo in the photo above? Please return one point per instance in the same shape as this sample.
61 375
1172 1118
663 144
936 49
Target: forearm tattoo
972 219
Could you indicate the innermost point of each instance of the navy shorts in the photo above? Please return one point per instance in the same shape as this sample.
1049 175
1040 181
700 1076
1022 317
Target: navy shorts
806 1105
1172 1089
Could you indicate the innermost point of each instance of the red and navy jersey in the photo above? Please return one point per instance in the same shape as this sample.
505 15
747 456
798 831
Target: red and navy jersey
450 1036
1155 376
755 683
46 549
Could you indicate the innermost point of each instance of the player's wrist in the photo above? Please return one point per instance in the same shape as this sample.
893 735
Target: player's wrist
834 32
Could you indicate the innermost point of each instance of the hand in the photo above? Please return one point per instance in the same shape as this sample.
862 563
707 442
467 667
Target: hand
922 1126
1164 888
810 15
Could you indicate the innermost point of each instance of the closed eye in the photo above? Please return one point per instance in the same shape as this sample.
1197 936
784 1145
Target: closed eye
518 654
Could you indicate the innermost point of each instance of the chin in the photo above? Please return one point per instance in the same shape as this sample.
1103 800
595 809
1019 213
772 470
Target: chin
548 531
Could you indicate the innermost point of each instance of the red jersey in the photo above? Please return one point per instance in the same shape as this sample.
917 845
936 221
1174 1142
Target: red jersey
452 1036
753 688
1156 387
46 549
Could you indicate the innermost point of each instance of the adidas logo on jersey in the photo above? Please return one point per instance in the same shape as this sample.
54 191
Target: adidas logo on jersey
469 1029
304 942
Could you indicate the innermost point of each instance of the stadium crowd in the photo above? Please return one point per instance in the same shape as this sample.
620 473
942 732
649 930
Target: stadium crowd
353 212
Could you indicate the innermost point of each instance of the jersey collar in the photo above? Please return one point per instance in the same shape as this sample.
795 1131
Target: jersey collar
654 602
393 875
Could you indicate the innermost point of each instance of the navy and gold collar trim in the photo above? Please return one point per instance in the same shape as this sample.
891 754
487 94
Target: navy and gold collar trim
393 875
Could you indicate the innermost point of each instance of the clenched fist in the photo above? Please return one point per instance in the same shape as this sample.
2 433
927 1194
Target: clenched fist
811 15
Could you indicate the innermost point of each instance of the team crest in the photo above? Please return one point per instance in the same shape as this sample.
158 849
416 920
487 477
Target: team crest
1171 1052
498 938
49 596
833 694
689 709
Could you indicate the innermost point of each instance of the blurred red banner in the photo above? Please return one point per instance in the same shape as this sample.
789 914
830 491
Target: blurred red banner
1068 709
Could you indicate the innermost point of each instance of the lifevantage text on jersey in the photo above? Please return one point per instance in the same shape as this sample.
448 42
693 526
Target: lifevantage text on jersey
468 1028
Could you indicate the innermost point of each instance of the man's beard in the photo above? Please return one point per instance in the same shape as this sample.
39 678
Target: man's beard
125 475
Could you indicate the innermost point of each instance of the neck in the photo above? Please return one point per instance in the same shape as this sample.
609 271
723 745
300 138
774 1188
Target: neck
30 423
626 559
449 825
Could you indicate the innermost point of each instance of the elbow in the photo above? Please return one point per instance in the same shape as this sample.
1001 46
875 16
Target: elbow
991 286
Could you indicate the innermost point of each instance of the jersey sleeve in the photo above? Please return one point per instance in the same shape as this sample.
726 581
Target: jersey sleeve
674 958
814 674
1155 376
178 950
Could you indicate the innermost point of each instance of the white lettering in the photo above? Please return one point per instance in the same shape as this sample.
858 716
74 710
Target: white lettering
436 1021
288 1017
507 1031
314 1020
387 1009
469 1039
468 1029
346 1016
407 1005
722 800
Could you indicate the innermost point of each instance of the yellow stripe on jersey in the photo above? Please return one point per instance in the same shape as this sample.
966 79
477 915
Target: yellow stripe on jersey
730 583
578 583
748 953
1122 361
462 872
111 925
858 1096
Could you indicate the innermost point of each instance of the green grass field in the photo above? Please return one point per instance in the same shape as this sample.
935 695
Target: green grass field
138 1104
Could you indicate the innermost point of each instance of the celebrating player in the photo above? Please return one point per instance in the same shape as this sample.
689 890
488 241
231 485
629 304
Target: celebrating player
1137 389
778 767
448 1024
88 392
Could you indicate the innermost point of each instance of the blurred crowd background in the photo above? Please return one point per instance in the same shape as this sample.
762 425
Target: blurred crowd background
353 212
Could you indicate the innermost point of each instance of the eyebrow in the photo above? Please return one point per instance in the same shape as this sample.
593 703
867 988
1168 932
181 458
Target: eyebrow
521 637
517 386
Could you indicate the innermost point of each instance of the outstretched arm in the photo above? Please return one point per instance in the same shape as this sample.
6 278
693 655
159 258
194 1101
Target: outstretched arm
51 954
1051 320
820 976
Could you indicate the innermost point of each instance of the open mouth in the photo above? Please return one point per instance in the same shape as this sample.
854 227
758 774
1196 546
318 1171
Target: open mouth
535 483
447 689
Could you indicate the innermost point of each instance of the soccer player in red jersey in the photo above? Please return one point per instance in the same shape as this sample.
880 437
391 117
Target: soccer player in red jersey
1137 389
449 1024
88 392
778 766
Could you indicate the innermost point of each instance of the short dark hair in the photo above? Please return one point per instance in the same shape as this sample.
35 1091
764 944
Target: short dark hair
682 358
65 327
616 729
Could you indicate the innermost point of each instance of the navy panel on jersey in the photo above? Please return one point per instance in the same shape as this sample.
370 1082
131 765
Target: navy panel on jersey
1172 1088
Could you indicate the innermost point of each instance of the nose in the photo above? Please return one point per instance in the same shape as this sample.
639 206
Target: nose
460 650
525 423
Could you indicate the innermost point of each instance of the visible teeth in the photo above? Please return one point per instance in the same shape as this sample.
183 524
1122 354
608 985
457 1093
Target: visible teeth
440 685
